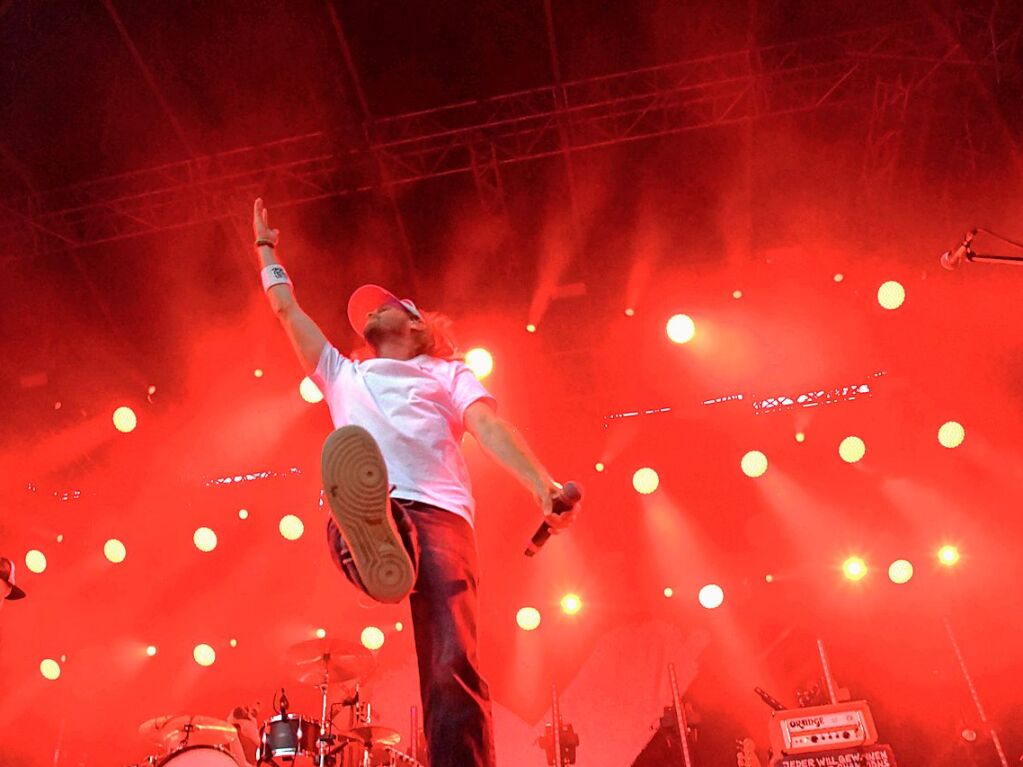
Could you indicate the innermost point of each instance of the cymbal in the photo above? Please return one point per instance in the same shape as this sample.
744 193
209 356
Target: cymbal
373 734
318 650
200 730
337 670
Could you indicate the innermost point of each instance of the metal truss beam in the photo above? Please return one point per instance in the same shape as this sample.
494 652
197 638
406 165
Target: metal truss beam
599 112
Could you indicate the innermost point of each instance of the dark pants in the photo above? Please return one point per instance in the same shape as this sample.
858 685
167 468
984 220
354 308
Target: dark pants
444 601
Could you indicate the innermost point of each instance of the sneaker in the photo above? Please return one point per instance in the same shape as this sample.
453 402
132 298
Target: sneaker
355 483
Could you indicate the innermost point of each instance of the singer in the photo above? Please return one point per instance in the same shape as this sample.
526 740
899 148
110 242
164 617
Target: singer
398 487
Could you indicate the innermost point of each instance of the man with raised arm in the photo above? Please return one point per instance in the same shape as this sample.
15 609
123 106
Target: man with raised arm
398 488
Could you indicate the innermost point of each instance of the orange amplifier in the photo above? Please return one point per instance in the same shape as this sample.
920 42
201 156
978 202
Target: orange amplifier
822 728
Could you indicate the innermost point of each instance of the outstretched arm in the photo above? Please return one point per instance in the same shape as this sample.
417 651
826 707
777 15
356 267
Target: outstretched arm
305 335
503 442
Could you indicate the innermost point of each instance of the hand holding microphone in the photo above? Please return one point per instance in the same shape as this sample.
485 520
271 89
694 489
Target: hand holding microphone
563 500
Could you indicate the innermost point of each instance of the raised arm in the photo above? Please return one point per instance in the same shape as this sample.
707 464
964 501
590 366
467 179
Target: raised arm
305 335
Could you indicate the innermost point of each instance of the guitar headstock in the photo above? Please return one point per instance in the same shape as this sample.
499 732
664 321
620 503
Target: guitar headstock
746 753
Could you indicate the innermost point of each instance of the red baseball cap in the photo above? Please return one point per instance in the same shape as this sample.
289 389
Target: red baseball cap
7 576
368 298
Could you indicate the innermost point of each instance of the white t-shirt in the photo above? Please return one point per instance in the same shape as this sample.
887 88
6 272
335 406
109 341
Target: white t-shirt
413 408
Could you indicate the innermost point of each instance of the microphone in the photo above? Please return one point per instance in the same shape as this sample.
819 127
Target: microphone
570 496
284 705
953 259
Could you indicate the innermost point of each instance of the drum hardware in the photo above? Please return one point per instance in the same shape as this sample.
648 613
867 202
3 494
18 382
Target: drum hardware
187 729
680 716
559 740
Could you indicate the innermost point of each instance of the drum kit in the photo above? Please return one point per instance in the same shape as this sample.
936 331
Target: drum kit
344 735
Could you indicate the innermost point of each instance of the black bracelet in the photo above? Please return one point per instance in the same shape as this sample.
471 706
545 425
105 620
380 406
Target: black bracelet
268 243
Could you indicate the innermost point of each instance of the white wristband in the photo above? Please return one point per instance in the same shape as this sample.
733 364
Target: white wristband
274 275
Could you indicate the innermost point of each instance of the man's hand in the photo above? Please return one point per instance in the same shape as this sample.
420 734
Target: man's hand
556 522
261 223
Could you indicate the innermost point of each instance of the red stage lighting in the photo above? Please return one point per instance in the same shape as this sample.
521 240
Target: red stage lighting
372 638
681 328
645 481
711 596
530 328
321 633
309 391
668 592
151 650
35 561
571 604
50 669
114 551
951 434
900 571
854 568
480 362
598 466
891 295
528 618
258 372
204 655
948 555
754 464
291 527
204 539
125 420
852 449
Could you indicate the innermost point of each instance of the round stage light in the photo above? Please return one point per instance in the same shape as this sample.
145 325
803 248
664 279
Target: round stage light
204 539
711 596
948 555
399 626
291 527
668 592
754 464
951 434
681 328
258 372
309 391
598 466
372 638
151 390
528 618
114 551
321 633
233 642
571 604
243 513
60 537
630 312
839 277
800 437
125 419
645 481
480 362
204 655
530 328
854 568
50 669
852 449
769 578
151 650
736 294
891 295
35 561
900 571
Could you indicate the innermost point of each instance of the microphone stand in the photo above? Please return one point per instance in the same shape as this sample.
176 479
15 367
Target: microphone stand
987 258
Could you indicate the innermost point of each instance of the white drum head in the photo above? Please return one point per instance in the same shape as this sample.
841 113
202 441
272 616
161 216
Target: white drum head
199 756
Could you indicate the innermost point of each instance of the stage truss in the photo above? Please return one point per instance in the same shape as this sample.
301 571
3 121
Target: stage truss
871 70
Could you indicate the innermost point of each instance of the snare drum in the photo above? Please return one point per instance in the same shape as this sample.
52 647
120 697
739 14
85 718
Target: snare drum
198 756
287 737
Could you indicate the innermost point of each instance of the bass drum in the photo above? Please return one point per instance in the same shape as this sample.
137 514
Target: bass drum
198 756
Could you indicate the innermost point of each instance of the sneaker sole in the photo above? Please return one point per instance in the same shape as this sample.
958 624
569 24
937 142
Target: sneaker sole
355 483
